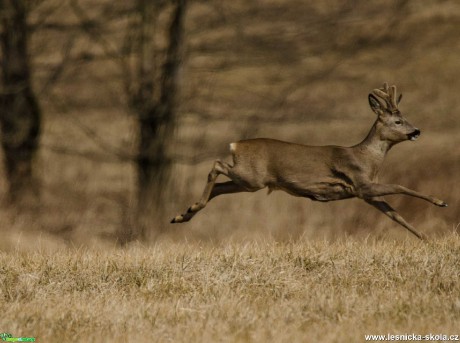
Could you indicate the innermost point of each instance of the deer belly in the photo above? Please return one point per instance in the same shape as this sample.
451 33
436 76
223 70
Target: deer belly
323 191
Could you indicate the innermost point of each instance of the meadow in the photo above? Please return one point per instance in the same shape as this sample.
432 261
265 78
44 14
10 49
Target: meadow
249 267
259 291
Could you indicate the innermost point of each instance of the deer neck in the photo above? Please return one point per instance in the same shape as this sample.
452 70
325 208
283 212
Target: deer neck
373 148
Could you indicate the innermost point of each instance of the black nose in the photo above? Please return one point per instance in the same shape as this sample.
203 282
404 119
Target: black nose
414 135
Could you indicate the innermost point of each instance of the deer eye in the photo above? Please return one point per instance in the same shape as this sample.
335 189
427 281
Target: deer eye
398 122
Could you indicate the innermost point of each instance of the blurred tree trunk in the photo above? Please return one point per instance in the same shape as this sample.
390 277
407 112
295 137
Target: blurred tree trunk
19 110
153 93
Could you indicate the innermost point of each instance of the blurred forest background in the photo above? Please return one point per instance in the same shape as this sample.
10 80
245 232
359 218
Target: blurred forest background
113 111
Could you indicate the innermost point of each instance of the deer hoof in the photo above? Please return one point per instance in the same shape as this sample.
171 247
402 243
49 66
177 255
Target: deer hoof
440 203
423 237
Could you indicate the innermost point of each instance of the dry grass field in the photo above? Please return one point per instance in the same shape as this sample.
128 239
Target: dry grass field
249 267
260 291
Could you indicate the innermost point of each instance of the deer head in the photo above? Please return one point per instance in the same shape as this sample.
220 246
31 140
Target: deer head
392 126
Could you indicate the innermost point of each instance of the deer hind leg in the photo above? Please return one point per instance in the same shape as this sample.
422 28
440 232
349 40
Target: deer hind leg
226 188
211 190
384 207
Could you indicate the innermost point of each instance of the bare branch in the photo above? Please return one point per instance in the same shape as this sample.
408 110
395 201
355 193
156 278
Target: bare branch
59 69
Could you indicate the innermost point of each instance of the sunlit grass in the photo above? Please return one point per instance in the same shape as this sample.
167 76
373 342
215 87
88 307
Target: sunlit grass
256 291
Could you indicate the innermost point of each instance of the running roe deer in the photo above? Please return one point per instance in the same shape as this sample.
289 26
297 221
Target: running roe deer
320 173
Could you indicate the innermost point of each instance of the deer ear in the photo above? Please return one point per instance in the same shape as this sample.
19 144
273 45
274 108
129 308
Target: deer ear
375 104
399 99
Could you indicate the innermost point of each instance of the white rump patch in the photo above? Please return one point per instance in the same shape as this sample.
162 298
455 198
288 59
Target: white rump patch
232 147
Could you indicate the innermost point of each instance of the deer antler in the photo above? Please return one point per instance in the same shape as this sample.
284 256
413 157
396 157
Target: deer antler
388 94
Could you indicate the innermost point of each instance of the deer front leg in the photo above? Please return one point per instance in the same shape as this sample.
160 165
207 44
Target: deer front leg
384 207
375 190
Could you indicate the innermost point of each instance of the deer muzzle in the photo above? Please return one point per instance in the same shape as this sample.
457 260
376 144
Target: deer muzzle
414 135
